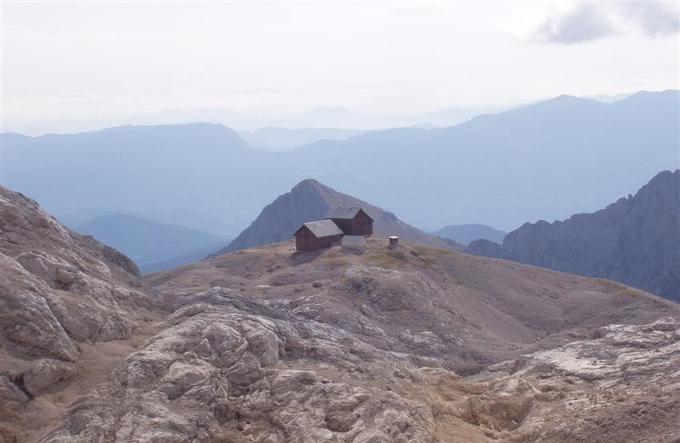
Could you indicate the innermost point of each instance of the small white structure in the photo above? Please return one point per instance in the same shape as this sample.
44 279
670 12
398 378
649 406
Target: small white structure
394 242
354 242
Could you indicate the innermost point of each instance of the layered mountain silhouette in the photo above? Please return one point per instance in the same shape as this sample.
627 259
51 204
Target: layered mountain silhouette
547 160
152 245
175 172
274 138
465 234
310 200
635 240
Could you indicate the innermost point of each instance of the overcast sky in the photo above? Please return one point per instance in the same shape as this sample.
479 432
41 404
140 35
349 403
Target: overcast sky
70 60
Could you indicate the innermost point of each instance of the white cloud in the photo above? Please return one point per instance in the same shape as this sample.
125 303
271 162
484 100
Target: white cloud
654 19
586 22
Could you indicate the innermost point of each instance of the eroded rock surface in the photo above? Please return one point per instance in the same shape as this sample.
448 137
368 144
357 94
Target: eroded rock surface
57 290
268 345
621 385
216 373
635 240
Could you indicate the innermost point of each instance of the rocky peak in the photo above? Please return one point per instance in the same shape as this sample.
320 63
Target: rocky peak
58 290
311 200
634 240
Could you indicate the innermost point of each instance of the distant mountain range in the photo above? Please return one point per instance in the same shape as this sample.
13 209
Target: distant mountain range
285 139
546 160
310 200
464 234
635 240
319 117
153 246
180 173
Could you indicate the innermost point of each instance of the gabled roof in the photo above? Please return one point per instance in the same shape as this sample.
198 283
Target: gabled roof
322 228
346 213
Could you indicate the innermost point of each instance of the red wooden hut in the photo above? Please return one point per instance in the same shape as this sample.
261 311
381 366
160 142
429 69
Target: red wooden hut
316 235
352 221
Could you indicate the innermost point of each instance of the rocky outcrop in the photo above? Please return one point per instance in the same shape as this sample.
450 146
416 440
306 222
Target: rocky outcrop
634 241
620 385
46 373
216 373
78 288
439 306
412 344
26 320
290 365
310 200
58 290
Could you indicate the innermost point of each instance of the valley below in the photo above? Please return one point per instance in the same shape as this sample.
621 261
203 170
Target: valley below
340 222
415 344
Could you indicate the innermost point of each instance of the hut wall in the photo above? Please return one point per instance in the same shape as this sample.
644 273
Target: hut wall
306 241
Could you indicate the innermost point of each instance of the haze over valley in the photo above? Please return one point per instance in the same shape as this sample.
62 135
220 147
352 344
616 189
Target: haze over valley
330 222
206 177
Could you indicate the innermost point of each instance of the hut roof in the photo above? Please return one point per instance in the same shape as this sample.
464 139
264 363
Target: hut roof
346 213
322 228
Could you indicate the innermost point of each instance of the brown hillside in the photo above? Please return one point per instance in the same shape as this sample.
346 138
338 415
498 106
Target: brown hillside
269 345
310 200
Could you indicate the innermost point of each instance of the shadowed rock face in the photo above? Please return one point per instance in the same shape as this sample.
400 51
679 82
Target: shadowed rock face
310 200
415 344
57 290
635 241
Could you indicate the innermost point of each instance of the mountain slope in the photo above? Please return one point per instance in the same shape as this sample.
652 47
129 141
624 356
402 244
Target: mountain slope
177 170
266 344
310 200
60 293
635 241
464 234
548 160
150 243
384 313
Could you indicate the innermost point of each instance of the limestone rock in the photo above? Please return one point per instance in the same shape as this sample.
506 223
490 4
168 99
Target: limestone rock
634 241
10 392
45 373
25 316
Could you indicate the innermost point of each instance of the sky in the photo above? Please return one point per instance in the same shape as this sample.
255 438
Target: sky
65 63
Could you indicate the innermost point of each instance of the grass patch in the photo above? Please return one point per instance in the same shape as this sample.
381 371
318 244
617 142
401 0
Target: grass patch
630 292
421 253
388 258
335 262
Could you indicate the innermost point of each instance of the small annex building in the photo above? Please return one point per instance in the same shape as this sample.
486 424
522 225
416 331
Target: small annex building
352 221
316 235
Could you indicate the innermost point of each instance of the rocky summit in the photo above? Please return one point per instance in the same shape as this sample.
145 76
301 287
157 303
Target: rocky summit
310 200
635 240
414 344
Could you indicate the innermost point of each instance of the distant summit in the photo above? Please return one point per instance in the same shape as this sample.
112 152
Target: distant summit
467 233
154 246
635 240
310 200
